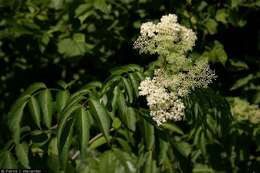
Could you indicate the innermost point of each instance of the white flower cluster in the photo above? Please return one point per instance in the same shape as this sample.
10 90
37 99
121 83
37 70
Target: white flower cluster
177 74
165 36
164 93
164 105
201 75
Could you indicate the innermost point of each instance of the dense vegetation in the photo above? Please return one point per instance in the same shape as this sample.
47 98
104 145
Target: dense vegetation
70 77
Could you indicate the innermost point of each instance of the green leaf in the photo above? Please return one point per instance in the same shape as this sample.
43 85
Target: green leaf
33 88
93 86
7 160
135 84
115 99
199 168
56 4
83 124
126 160
131 118
98 142
149 166
242 82
164 146
69 48
64 121
79 37
129 89
203 143
222 16
149 138
235 3
112 81
71 102
217 53
172 127
52 147
139 75
127 114
61 100
84 11
74 46
15 117
122 106
211 124
211 26
64 143
238 65
126 69
53 164
45 100
62 84
101 115
77 95
116 123
197 136
35 111
124 144
256 98
183 148
22 154
110 163
101 5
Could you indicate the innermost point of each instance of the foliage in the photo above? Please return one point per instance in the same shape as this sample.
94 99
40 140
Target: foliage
90 121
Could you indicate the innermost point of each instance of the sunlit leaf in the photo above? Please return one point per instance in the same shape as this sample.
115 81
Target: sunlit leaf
22 154
98 142
52 148
222 15
211 25
7 160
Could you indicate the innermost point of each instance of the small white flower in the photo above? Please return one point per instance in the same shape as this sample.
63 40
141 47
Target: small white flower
148 29
170 18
